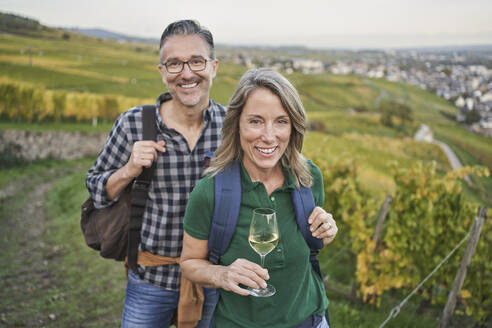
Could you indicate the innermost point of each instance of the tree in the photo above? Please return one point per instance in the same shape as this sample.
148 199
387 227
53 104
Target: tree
390 109
387 113
472 116
404 113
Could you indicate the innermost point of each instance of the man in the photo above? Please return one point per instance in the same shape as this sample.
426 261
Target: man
188 126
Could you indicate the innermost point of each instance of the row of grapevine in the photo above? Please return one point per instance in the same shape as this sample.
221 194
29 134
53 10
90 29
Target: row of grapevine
23 102
428 217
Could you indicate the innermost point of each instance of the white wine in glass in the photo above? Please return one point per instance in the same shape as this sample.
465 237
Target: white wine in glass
263 238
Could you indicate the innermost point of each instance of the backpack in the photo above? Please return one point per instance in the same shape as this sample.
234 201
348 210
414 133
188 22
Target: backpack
227 201
114 231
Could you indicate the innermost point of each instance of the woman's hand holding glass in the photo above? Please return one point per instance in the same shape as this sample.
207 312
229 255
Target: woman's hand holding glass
323 226
263 238
244 272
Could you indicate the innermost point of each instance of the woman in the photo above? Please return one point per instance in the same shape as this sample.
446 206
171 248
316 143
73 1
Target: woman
263 129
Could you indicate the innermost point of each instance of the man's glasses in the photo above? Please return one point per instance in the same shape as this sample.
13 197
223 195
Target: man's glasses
175 66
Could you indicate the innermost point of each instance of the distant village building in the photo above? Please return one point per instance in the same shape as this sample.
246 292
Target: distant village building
469 103
486 97
460 102
460 117
424 134
308 66
341 68
486 122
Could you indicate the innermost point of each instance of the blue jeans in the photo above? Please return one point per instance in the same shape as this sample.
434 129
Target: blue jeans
149 306
323 324
314 321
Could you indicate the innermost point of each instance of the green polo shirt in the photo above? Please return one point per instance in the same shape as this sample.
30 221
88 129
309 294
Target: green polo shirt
300 290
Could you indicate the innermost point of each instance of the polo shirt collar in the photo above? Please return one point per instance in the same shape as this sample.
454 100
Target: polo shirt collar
248 185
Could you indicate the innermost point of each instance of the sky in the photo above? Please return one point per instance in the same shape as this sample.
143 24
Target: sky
353 24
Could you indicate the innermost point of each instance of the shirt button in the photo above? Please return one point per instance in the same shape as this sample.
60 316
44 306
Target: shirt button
272 198
279 250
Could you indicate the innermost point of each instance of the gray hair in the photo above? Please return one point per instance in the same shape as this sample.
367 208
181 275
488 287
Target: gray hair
230 148
188 27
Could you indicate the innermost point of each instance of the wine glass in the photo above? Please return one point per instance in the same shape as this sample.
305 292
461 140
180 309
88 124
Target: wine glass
263 238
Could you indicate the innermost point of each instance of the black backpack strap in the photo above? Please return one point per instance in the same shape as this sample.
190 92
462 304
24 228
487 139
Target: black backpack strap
227 201
140 190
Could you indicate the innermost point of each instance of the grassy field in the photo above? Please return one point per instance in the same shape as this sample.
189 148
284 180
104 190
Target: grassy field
60 276
52 277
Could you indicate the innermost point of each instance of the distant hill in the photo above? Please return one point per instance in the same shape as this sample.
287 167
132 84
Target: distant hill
451 48
14 24
105 34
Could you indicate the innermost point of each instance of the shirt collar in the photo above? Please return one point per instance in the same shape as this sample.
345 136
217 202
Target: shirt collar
166 96
247 184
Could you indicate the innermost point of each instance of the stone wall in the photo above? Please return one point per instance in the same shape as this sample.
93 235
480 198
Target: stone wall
51 144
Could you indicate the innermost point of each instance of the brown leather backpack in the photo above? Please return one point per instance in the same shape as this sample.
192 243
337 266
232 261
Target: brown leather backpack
106 230
114 231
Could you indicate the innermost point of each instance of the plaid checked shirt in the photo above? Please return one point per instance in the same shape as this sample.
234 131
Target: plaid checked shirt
176 173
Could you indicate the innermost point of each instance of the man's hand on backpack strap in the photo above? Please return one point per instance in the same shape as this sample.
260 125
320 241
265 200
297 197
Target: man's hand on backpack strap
143 154
323 226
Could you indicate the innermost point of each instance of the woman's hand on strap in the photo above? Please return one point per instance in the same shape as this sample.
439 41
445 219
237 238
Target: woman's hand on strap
323 226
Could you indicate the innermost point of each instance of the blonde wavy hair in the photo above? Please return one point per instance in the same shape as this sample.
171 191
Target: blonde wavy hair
230 148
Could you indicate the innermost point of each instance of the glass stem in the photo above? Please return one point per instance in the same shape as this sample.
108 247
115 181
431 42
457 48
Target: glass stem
262 261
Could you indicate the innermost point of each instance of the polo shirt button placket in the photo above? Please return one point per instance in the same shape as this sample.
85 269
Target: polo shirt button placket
274 206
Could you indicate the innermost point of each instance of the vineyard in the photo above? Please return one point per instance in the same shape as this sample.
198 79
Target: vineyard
428 216
22 102
84 83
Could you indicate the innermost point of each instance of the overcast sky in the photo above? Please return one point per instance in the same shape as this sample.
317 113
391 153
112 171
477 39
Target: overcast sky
313 23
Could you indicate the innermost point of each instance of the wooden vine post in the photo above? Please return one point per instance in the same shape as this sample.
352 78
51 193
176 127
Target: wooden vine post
382 215
465 262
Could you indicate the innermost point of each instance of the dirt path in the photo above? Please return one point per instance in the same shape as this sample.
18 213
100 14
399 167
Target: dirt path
25 271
